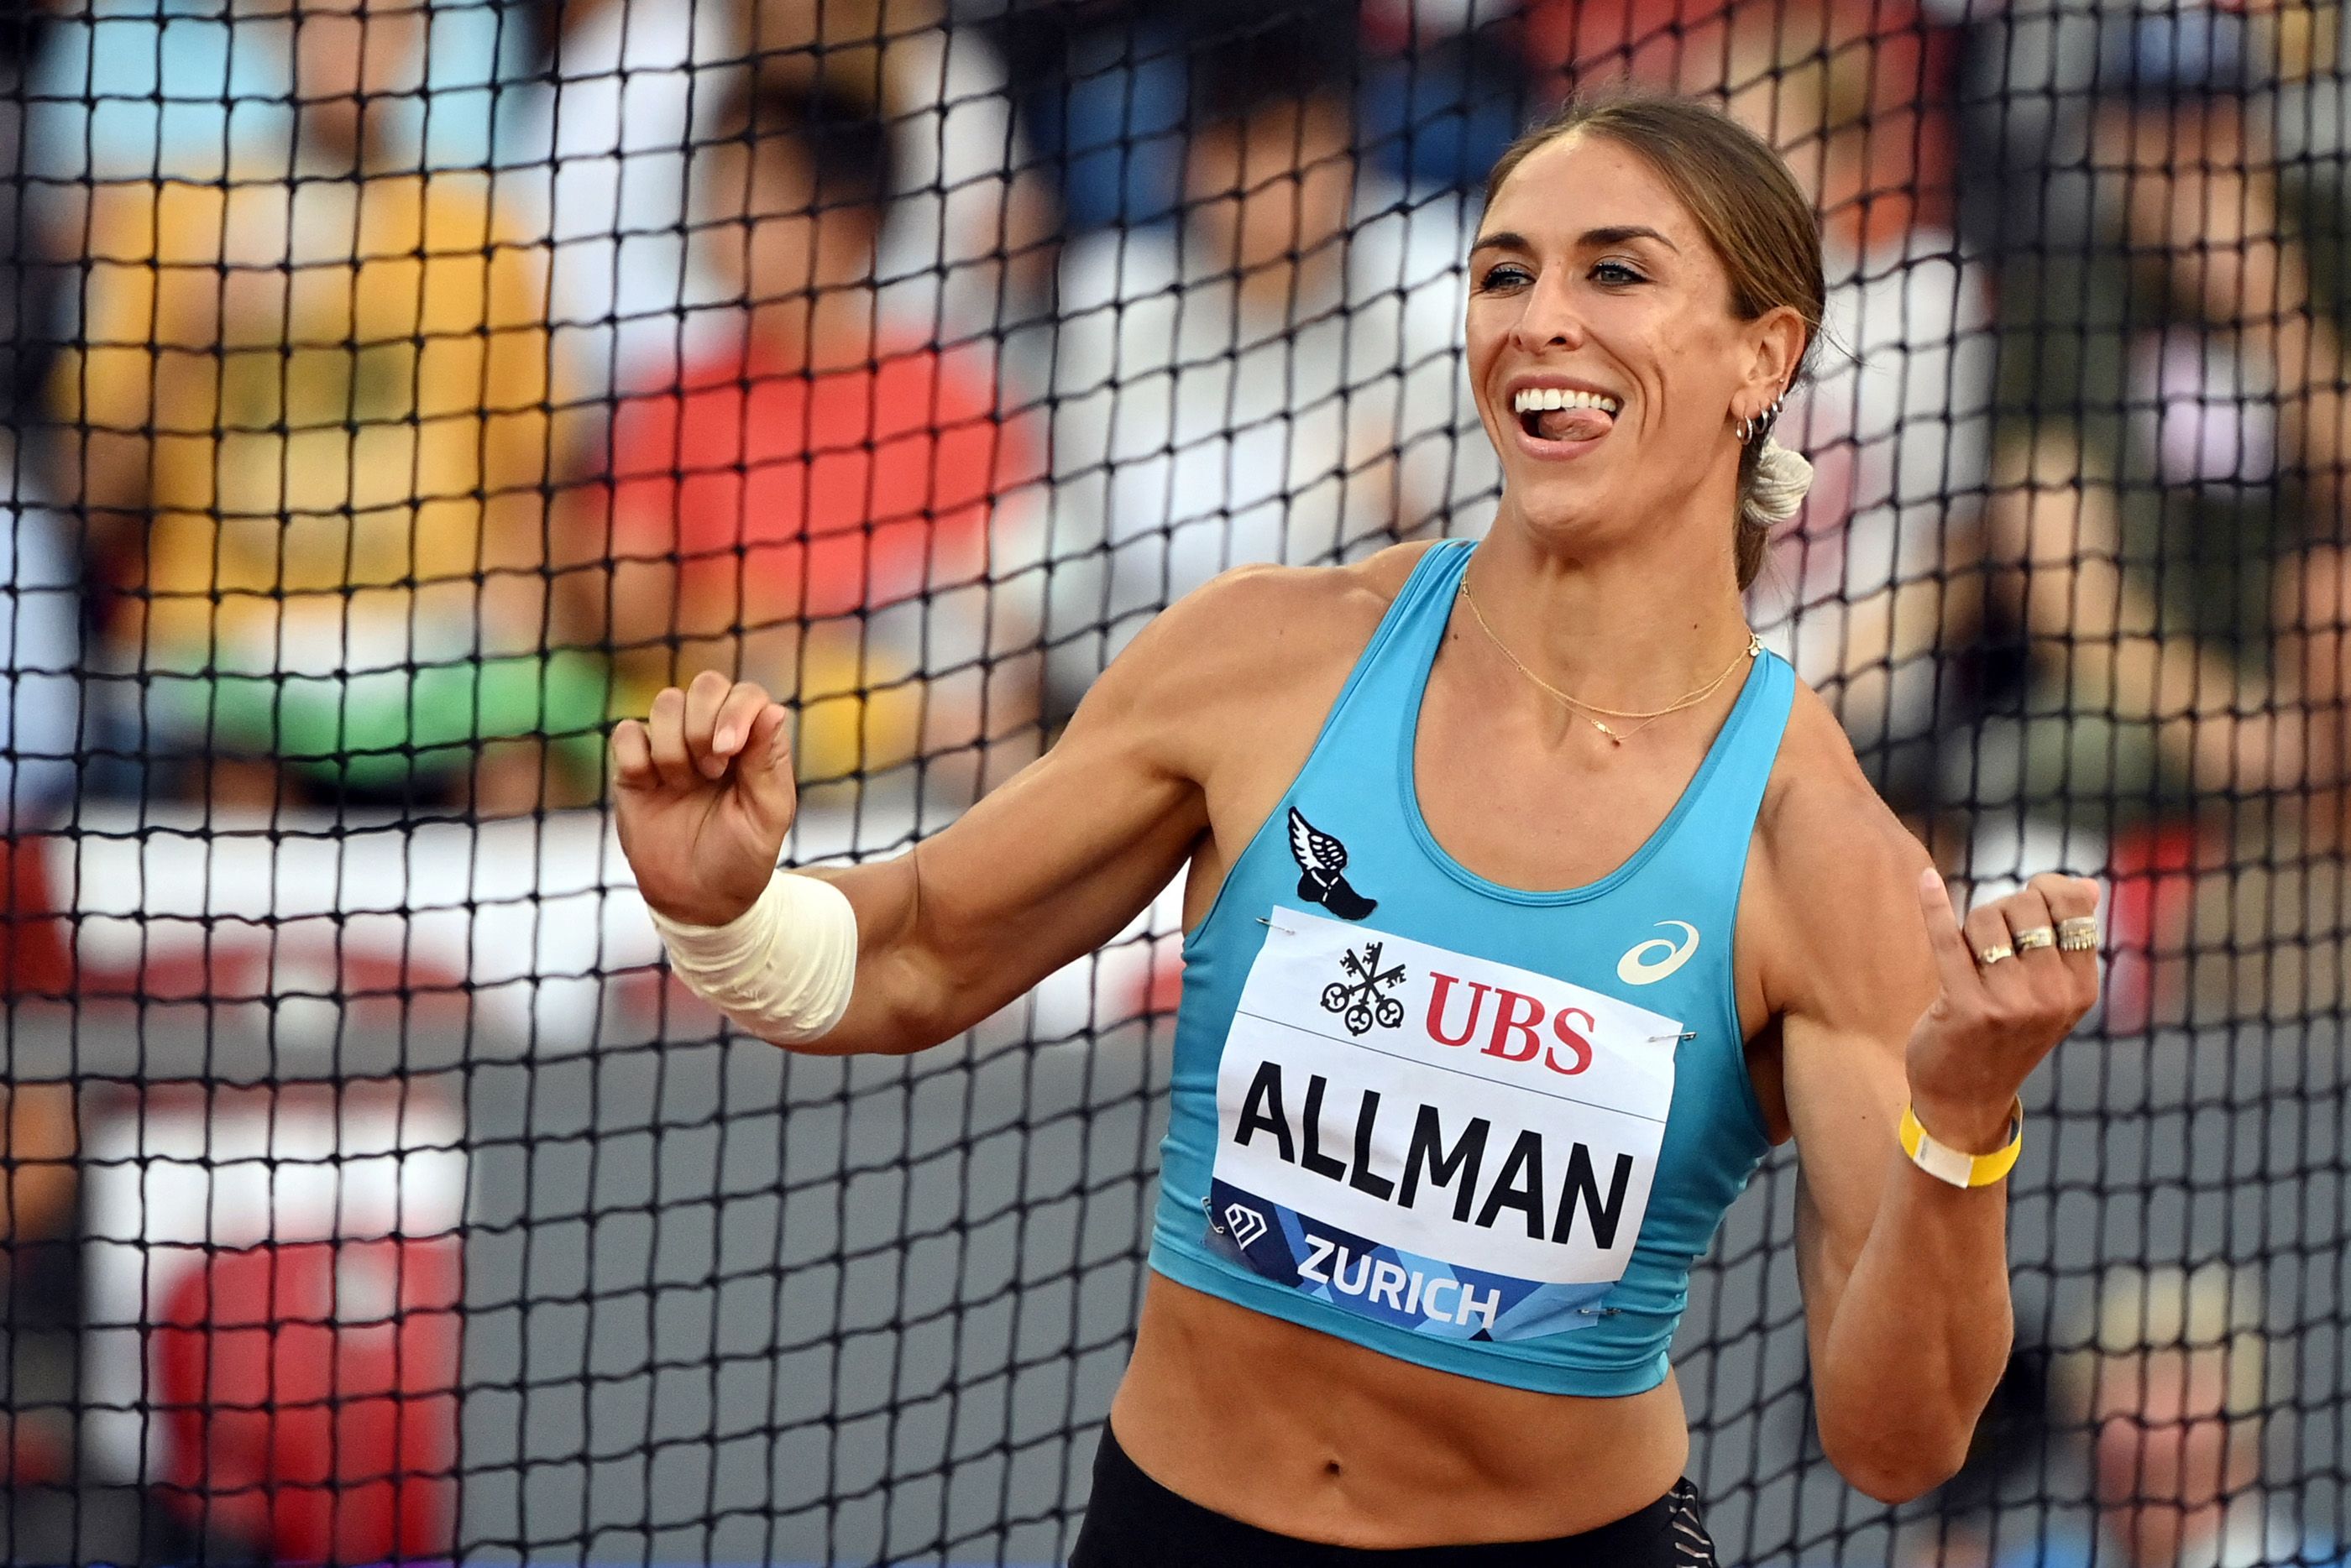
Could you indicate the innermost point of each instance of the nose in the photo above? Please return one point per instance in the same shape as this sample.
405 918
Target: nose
1550 319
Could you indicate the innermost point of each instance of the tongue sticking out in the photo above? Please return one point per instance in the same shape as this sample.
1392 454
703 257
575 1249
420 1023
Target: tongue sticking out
1574 424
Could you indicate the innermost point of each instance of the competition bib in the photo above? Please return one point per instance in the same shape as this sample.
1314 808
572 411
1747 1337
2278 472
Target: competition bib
1443 1143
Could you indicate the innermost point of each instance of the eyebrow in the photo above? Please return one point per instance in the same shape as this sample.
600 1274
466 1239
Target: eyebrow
1506 239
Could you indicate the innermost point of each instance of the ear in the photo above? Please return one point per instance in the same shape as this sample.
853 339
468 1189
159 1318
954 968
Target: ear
1775 348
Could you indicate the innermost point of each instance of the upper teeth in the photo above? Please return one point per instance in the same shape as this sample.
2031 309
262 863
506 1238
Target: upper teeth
1534 400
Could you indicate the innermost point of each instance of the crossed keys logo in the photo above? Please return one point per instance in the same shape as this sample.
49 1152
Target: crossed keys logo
1362 1000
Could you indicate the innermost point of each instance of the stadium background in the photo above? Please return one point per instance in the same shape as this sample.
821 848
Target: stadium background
340 1057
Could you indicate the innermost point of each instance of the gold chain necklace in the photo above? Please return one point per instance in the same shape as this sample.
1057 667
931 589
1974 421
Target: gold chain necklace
1586 711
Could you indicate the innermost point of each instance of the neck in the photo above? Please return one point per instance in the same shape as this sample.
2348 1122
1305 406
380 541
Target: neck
832 332
1630 628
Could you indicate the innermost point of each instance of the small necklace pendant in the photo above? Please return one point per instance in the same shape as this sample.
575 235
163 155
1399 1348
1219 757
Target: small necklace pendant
1613 738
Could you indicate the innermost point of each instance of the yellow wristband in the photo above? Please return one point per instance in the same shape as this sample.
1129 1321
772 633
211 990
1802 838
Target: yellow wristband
1958 1166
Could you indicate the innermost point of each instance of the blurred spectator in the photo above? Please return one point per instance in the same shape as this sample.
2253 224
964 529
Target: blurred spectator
969 236
1444 90
1276 380
40 583
1099 88
129 89
2170 472
30 248
1897 416
604 141
810 504
2171 1382
311 406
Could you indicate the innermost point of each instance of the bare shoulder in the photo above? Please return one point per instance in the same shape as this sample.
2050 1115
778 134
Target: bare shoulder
1836 872
1255 628
1261 608
1253 650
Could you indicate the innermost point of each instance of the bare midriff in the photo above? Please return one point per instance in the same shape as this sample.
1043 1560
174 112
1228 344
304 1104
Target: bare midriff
1312 1436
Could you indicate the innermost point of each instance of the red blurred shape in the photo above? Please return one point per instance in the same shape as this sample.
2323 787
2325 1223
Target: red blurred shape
2152 871
34 958
311 1390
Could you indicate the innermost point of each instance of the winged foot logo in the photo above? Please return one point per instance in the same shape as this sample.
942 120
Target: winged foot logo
1321 859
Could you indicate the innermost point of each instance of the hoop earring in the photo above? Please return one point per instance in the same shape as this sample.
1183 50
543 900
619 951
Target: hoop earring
1760 423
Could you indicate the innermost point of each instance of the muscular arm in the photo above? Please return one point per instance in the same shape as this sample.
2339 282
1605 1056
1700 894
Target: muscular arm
1904 1278
1041 871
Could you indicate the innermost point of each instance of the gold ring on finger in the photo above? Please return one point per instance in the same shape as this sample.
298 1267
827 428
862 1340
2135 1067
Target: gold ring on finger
2038 937
2077 935
1994 953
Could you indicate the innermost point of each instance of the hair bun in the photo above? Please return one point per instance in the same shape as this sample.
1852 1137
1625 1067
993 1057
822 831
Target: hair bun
1782 478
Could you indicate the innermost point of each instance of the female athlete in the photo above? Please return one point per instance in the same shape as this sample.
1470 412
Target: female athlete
1528 904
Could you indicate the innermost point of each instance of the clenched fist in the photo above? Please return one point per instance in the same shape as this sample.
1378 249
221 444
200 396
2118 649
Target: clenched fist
703 795
1994 1021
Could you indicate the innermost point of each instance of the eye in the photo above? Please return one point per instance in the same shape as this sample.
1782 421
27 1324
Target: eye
1504 275
1616 273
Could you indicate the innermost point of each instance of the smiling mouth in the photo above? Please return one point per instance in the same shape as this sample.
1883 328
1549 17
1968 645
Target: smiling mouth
1563 413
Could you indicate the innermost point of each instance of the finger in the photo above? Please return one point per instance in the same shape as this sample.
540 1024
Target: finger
703 700
665 729
633 756
2073 899
2068 897
2026 910
765 773
1986 930
730 732
1953 959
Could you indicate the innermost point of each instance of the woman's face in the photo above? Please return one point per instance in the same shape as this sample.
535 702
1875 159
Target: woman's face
1272 186
766 237
1591 287
346 51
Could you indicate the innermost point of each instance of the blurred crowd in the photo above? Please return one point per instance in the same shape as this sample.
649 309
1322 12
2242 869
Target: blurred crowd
2154 1407
398 389
401 390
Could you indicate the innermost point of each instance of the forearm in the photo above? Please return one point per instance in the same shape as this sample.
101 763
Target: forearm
1919 1335
941 948
900 1002
1906 1275
824 963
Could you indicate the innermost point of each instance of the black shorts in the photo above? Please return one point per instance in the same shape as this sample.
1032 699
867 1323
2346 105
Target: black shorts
1135 1522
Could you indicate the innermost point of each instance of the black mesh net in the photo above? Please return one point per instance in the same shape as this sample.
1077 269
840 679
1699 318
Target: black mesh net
400 390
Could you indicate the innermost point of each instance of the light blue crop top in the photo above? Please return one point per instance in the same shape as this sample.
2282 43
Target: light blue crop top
1480 1128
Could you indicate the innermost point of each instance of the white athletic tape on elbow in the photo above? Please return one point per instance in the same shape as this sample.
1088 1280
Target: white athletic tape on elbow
782 968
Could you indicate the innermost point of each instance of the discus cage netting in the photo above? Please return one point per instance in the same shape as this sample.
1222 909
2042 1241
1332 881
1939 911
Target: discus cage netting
398 391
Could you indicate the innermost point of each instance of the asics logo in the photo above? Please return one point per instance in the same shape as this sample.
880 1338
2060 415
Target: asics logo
1648 963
